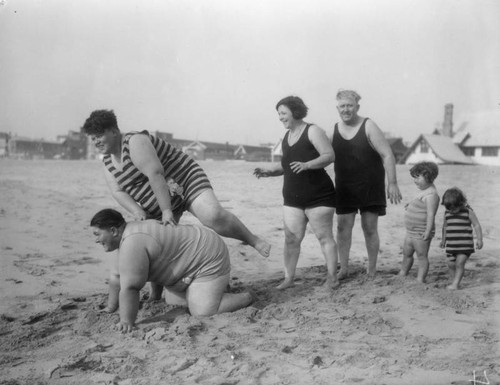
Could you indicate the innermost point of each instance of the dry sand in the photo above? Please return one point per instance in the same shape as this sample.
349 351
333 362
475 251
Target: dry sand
383 331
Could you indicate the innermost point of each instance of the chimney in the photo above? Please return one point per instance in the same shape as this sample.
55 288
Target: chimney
448 120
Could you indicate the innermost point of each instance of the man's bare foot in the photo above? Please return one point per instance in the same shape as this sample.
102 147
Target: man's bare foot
288 282
263 247
331 283
452 287
343 274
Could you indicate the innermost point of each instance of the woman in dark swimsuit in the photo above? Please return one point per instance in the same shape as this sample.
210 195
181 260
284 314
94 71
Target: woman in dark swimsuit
308 191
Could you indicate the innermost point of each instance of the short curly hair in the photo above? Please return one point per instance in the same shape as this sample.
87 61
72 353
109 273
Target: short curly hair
453 198
429 170
99 121
296 106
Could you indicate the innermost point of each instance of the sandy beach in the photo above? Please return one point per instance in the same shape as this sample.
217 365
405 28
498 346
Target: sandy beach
53 279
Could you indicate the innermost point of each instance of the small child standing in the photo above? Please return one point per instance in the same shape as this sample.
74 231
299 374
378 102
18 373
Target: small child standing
459 220
419 219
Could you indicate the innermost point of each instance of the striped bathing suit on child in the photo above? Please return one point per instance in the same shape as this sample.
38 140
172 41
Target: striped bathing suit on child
459 238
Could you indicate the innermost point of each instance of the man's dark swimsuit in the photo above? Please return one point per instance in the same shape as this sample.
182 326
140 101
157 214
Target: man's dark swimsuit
359 173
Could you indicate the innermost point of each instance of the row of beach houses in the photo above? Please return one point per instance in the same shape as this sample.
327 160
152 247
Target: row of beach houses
474 140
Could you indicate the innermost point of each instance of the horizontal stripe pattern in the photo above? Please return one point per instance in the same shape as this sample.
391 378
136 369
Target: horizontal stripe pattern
176 164
459 236
179 251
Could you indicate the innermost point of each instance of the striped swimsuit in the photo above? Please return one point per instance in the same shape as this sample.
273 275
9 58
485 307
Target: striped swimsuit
177 252
459 238
176 164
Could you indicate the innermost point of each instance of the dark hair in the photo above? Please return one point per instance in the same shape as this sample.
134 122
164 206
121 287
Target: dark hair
107 218
99 121
296 106
429 170
453 198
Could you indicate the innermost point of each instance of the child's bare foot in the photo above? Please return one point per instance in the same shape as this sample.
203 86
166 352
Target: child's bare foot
263 247
371 274
342 274
288 282
332 283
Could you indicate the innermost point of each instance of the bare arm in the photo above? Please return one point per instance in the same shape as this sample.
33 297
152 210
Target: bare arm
477 229
123 199
275 170
134 268
321 143
113 293
144 157
432 203
380 144
113 284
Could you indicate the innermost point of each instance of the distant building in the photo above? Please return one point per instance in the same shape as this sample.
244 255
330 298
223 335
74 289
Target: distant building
435 148
27 148
4 140
74 145
478 136
210 150
398 148
477 141
277 151
253 153
201 150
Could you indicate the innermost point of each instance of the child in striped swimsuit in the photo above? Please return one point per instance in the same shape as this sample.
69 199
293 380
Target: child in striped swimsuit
459 220
419 219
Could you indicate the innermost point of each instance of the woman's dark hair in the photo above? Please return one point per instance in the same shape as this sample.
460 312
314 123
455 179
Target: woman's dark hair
429 170
453 198
99 121
296 106
106 219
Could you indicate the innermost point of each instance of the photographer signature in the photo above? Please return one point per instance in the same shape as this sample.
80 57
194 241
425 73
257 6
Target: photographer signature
480 380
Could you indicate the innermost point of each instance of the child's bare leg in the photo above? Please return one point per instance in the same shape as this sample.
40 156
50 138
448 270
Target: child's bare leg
423 268
459 271
407 262
422 251
452 269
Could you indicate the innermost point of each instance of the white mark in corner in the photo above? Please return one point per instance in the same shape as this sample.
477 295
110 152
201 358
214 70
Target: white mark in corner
480 380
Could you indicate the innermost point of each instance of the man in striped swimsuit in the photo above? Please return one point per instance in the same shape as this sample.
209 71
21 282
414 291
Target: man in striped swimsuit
150 178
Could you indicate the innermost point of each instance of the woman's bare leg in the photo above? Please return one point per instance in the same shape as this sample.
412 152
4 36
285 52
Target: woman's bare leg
321 221
295 221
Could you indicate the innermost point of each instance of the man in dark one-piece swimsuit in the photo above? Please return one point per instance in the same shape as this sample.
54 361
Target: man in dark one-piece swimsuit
362 158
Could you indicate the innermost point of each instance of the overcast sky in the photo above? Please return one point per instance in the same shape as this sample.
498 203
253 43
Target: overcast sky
214 69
